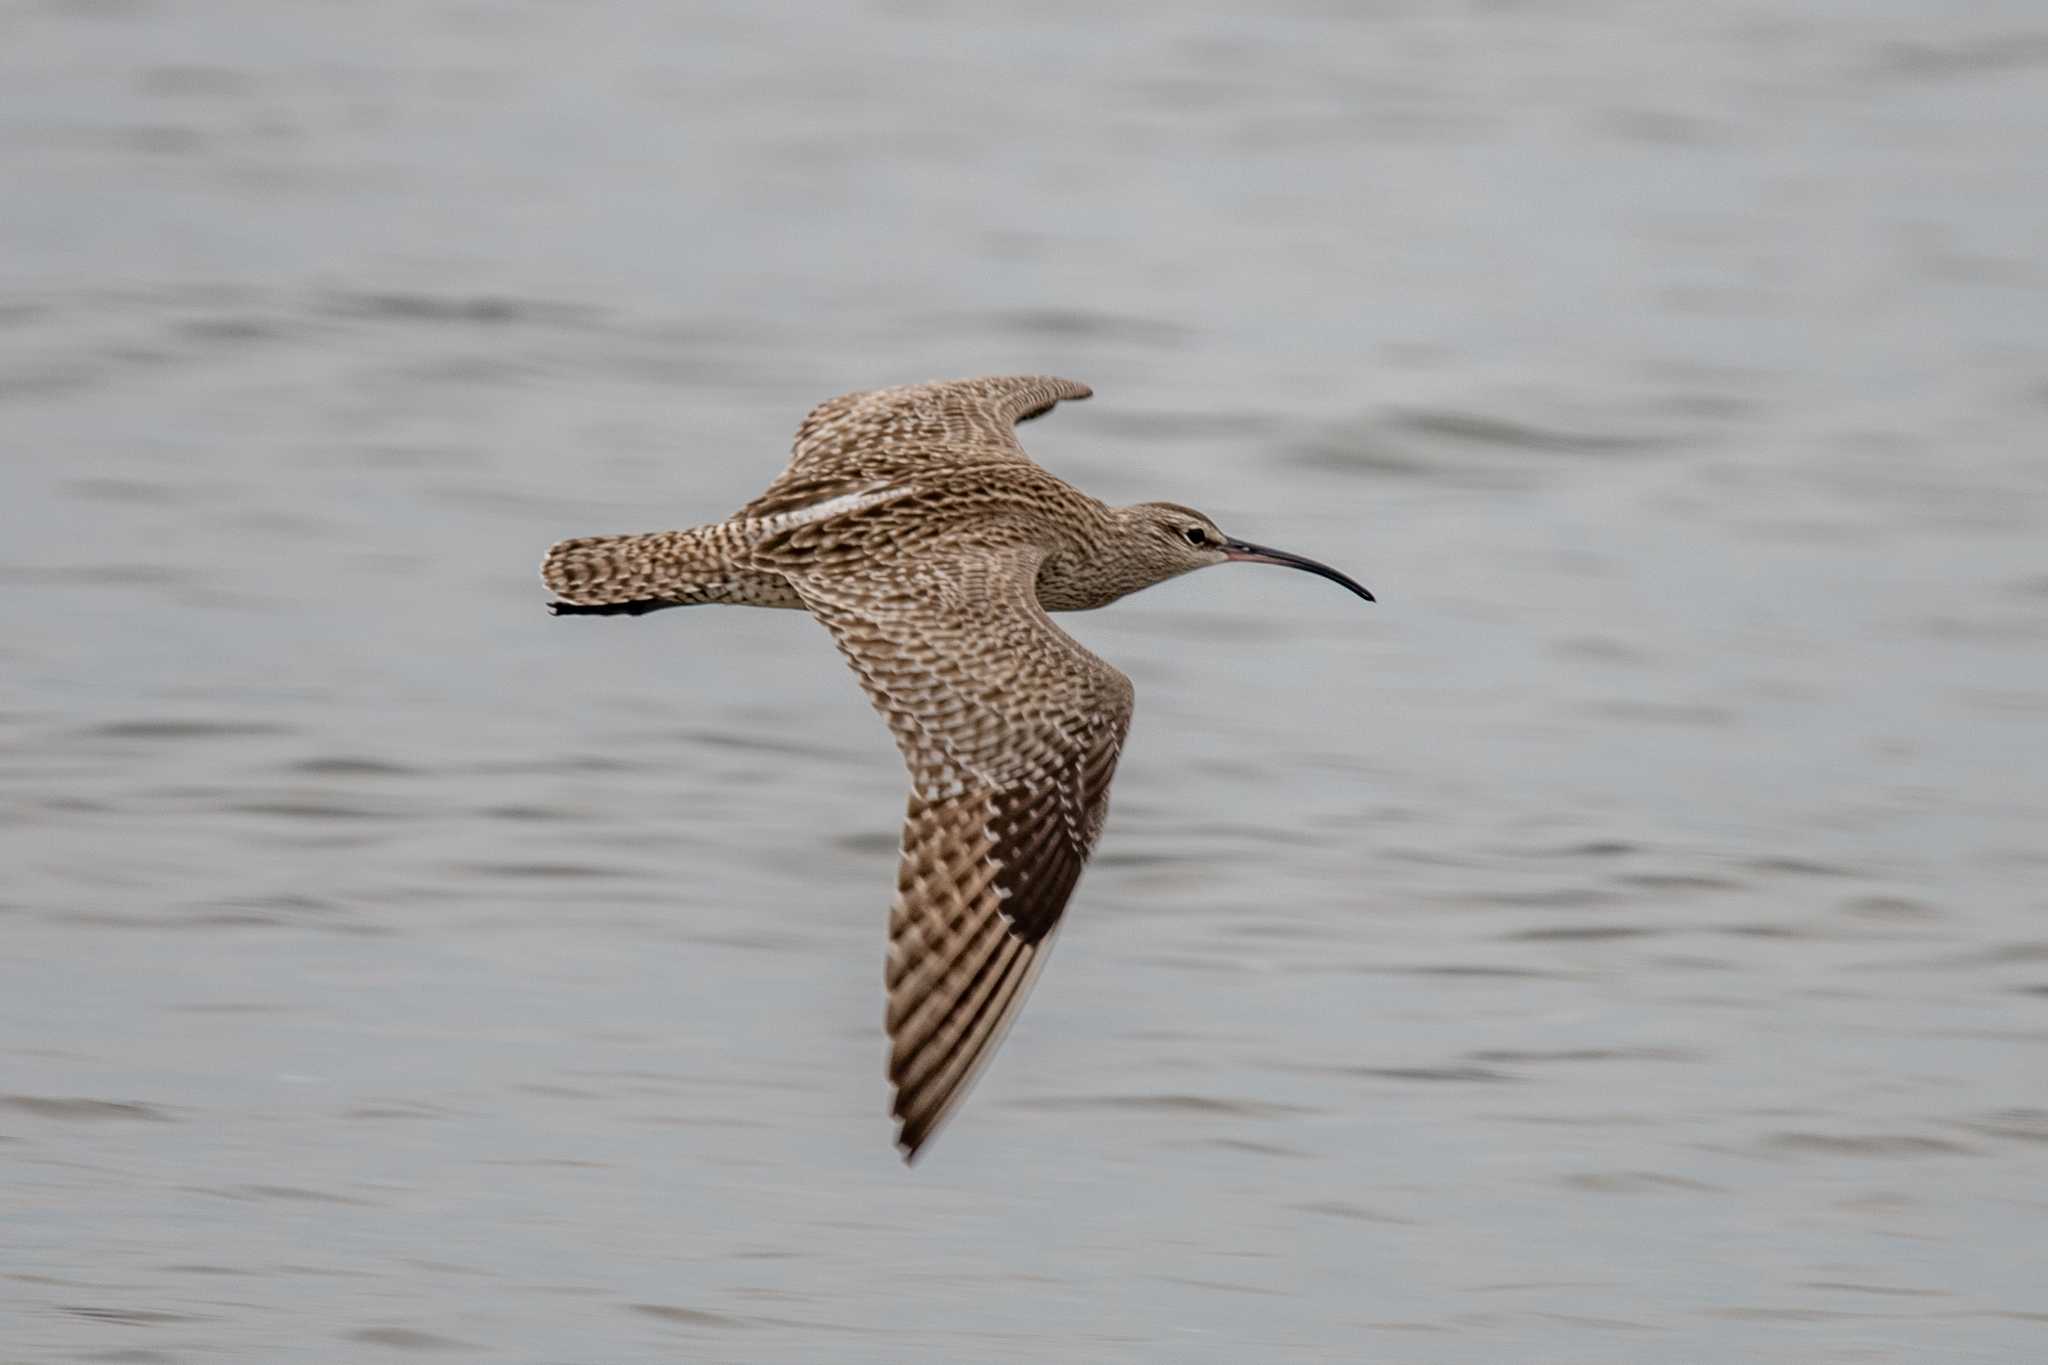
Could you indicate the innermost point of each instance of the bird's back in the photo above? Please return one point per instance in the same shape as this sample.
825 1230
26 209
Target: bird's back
942 509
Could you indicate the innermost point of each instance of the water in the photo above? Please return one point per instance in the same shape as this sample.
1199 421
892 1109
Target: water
1624 943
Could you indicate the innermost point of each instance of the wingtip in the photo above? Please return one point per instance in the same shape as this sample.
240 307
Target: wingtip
914 1131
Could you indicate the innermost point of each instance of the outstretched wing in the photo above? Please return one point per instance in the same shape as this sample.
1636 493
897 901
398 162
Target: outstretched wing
1011 732
861 440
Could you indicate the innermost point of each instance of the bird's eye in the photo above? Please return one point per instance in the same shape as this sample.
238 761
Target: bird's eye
1196 535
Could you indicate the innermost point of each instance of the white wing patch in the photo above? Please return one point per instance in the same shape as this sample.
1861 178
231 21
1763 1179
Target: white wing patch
835 507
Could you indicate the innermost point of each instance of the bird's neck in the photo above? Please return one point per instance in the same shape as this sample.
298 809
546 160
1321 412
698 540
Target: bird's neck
1092 566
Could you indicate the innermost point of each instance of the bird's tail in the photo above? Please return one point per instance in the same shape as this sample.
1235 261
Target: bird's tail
633 574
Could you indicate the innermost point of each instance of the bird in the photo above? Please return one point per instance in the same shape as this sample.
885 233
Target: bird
911 523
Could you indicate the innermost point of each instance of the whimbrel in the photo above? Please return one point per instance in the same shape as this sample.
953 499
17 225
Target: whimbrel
911 522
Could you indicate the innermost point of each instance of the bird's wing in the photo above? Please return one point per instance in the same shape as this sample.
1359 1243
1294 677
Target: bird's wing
859 441
1011 731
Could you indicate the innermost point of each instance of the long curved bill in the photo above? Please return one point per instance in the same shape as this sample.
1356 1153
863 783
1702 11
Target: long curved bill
1259 554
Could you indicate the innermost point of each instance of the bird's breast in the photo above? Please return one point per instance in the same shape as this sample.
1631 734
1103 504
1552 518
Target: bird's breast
1066 582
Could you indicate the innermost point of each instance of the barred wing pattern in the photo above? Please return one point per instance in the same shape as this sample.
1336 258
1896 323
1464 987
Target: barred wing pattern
1011 732
861 440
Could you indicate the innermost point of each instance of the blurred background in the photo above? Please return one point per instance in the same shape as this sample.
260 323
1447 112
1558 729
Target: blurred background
1623 943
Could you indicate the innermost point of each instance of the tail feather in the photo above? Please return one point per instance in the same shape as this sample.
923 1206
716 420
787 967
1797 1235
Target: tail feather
665 568
594 570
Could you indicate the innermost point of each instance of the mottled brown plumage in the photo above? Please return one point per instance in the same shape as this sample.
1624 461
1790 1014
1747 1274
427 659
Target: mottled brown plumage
913 525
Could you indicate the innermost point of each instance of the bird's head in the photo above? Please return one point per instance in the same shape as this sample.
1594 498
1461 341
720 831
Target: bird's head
1169 540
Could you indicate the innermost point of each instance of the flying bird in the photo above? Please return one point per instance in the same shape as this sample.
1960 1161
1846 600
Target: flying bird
913 525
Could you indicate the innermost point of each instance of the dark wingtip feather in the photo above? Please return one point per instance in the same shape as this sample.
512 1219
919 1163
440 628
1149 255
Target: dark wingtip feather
637 608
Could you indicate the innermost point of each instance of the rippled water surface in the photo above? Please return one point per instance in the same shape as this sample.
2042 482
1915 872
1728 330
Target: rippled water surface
1625 943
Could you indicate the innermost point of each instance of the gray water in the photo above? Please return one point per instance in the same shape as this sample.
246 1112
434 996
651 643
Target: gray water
1622 944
